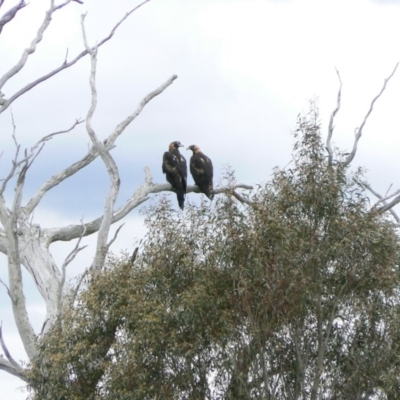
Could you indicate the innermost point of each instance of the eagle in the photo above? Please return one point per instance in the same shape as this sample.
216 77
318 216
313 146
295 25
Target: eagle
201 169
175 168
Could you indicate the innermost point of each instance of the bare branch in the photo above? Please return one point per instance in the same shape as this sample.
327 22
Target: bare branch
331 127
46 138
115 237
93 152
6 366
15 163
4 104
70 257
6 352
32 48
140 196
21 317
8 290
10 14
112 169
387 206
121 127
358 134
241 198
76 290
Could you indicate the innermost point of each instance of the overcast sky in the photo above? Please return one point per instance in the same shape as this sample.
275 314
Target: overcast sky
245 70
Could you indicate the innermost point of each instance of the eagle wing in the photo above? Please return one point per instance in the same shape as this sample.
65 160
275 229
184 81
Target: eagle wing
174 166
202 169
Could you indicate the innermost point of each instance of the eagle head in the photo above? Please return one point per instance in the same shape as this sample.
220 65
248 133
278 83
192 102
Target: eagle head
194 148
175 145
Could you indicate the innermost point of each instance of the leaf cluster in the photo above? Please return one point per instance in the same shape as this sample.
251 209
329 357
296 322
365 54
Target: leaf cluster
294 296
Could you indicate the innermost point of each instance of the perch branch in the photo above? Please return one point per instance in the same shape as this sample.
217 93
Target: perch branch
140 196
358 133
331 121
6 103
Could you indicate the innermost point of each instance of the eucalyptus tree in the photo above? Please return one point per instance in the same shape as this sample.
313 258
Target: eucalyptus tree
291 292
26 245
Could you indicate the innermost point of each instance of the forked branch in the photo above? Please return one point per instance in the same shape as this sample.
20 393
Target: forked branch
32 48
383 199
93 153
112 169
359 131
5 103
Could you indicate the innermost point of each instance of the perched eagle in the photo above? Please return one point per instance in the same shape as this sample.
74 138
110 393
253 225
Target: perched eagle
201 169
175 168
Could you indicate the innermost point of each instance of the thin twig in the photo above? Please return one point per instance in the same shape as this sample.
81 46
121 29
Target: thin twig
70 257
6 352
331 127
8 290
115 237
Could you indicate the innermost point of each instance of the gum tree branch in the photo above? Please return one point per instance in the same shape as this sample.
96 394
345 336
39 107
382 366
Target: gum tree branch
386 206
112 169
11 13
8 290
93 152
70 257
6 352
5 103
6 366
114 237
331 121
358 133
21 317
32 48
140 196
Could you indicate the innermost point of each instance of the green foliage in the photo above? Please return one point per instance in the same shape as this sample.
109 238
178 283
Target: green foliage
294 296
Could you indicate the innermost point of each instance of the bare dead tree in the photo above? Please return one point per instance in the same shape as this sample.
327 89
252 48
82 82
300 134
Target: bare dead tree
26 245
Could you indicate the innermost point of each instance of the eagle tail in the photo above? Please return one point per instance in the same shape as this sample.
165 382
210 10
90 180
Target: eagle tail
209 192
181 199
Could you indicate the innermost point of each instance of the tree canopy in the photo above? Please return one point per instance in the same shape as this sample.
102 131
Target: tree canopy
290 293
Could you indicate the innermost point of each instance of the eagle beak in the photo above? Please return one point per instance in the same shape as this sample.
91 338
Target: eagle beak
188 148
181 145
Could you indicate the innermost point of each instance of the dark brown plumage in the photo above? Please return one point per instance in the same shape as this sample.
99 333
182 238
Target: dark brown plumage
202 171
175 168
